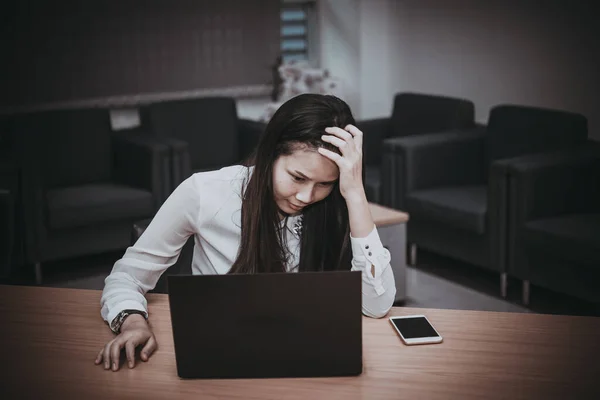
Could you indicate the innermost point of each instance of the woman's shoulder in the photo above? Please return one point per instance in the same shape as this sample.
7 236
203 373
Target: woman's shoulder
221 182
233 173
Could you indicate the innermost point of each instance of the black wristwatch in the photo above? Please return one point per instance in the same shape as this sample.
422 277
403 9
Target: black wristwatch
117 321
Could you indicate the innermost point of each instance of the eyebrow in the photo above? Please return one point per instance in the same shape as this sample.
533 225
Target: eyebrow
306 177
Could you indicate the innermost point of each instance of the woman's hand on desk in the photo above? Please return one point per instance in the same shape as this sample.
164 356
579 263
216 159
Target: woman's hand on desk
134 332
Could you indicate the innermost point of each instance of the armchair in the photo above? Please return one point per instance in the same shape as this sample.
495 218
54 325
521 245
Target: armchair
412 114
83 185
203 134
554 228
454 184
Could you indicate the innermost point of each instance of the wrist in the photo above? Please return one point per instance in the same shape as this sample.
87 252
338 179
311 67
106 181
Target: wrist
133 320
118 321
356 198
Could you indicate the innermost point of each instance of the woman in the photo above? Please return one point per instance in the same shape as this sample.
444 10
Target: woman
300 205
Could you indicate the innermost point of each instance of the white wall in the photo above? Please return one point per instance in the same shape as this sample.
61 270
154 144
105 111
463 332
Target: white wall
493 51
339 46
354 46
499 52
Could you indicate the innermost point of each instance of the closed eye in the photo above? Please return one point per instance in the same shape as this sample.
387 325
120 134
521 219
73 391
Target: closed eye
299 179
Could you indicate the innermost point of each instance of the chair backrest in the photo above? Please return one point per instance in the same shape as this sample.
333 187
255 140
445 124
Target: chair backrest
515 130
209 126
416 113
69 147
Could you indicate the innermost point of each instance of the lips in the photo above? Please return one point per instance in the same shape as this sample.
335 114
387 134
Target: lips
295 207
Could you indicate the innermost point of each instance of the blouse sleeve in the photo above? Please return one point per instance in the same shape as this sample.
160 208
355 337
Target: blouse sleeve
378 285
157 249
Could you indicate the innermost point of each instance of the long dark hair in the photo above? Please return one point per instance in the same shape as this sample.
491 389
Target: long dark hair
325 241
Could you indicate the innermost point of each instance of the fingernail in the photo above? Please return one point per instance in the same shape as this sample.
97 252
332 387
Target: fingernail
114 366
130 364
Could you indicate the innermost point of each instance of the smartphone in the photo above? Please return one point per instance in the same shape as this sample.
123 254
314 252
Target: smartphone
415 329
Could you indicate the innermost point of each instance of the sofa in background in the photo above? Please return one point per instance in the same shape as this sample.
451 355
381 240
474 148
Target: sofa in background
83 185
554 226
412 114
203 134
454 184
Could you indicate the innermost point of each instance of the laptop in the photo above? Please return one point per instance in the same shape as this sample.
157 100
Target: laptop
272 325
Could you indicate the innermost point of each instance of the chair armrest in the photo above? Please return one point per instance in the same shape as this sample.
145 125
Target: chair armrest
249 134
180 160
144 162
7 233
449 158
555 183
31 199
375 131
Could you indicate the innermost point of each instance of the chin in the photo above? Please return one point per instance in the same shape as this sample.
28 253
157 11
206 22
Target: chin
285 208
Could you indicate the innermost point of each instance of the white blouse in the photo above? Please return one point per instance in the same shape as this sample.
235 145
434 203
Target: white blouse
208 206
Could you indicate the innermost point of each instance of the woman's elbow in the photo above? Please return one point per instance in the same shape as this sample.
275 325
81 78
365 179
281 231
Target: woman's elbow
381 308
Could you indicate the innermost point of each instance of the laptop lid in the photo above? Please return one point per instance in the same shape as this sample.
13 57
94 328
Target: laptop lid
267 325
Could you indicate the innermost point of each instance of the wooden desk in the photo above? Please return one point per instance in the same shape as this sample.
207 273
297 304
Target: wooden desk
391 226
50 338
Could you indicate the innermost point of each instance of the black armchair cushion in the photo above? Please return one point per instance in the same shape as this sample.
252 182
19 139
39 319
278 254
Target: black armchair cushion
416 113
463 207
373 184
91 204
516 130
208 125
572 237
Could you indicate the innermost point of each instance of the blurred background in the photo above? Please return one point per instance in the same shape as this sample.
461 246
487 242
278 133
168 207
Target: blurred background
91 92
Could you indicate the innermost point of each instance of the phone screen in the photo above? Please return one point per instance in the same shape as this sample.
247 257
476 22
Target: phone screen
412 328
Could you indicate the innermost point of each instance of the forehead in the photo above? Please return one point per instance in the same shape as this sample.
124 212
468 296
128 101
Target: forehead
312 164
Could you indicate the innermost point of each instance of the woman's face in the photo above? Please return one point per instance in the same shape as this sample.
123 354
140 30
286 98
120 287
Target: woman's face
302 178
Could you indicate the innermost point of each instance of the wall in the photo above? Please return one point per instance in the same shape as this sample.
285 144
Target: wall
69 54
488 51
354 46
339 45
499 52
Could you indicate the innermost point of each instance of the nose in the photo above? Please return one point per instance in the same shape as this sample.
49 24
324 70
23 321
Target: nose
305 195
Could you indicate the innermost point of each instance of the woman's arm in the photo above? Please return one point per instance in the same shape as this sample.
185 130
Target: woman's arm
156 250
370 257
368 253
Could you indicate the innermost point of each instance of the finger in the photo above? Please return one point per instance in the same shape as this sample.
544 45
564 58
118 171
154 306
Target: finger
115 353
106 355
99 356
339 132
337 142
335 157
149 348
130 352
357 134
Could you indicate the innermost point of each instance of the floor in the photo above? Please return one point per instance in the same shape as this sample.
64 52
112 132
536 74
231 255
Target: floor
436 282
